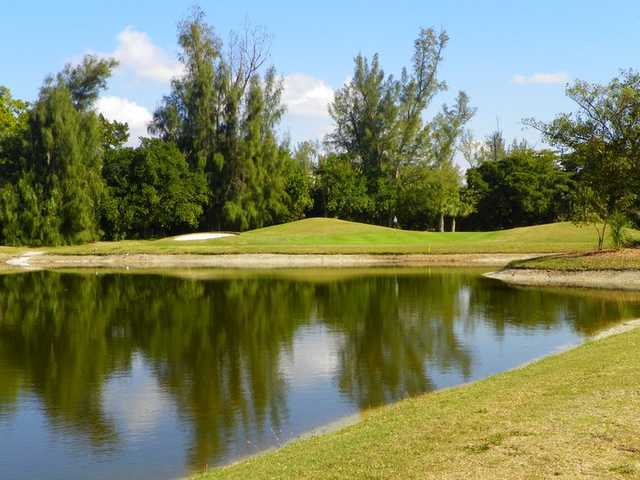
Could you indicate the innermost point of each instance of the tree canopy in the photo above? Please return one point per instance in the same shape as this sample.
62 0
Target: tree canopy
526 187
57 185
216 156
600 143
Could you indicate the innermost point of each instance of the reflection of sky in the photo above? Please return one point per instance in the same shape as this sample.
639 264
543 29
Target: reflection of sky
313 359
136 401
493 353
150 443
310 370
28 438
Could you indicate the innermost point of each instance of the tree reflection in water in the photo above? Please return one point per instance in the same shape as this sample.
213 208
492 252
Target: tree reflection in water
216 346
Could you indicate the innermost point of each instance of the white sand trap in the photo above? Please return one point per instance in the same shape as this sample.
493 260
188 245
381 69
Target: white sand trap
201 236
23 260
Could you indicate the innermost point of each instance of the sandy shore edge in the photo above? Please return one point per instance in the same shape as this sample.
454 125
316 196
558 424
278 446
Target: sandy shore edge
257 261
601 279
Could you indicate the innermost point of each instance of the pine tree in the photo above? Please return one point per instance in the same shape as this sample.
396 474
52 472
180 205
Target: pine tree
59 186
379 119
223 116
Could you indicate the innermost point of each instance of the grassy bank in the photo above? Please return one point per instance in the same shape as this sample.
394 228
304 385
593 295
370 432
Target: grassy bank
625 259
327 236
574 415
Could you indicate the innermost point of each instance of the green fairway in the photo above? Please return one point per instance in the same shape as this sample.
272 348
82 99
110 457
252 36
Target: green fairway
327 236
573 415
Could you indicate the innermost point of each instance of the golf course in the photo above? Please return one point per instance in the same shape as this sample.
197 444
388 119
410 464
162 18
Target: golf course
569 415
333 236
307 241
505 426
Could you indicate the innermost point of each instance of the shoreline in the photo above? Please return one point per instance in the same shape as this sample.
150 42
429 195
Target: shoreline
603 279
598 279
37 260
339 424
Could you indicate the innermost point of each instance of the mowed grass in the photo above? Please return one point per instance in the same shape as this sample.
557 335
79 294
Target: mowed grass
574 415
10 251
625 259
331 236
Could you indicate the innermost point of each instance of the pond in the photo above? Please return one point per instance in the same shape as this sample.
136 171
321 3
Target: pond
115 375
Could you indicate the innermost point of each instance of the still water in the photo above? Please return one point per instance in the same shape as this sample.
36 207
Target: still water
108 375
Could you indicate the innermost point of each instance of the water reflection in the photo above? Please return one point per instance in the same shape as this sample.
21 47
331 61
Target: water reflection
121 364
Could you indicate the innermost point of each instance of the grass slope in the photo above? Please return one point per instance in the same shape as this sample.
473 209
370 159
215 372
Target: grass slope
327 236
625 259
574 415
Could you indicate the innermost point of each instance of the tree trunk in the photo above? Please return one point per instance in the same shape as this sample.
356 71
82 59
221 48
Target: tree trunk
601 236
442 222
453 224
324 202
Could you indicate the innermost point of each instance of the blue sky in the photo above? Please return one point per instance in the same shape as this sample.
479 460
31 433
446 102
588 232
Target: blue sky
513 58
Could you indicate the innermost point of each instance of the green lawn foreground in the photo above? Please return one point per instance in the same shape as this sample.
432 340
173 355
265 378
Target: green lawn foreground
330 236
572 415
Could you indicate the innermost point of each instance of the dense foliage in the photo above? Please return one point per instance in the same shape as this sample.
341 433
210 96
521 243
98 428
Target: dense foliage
52 185
601 146
525 187
222 114
150 192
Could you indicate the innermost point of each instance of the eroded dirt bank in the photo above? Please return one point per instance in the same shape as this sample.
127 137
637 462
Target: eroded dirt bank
261 261
604 279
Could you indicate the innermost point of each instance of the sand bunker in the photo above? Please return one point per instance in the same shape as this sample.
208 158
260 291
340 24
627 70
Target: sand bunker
201 236
23 260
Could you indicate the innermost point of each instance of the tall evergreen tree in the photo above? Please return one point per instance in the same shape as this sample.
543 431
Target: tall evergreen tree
190 114
446 130
223 116
13 126
258 190
379 120
56 198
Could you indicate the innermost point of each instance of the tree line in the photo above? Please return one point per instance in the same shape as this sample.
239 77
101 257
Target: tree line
214 160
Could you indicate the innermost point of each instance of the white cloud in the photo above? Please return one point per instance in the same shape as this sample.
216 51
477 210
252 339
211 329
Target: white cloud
541 78
136 400
307 100
137 53
313 357
306 96
123 110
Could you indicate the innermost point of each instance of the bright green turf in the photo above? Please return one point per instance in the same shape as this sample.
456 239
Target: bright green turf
322 235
